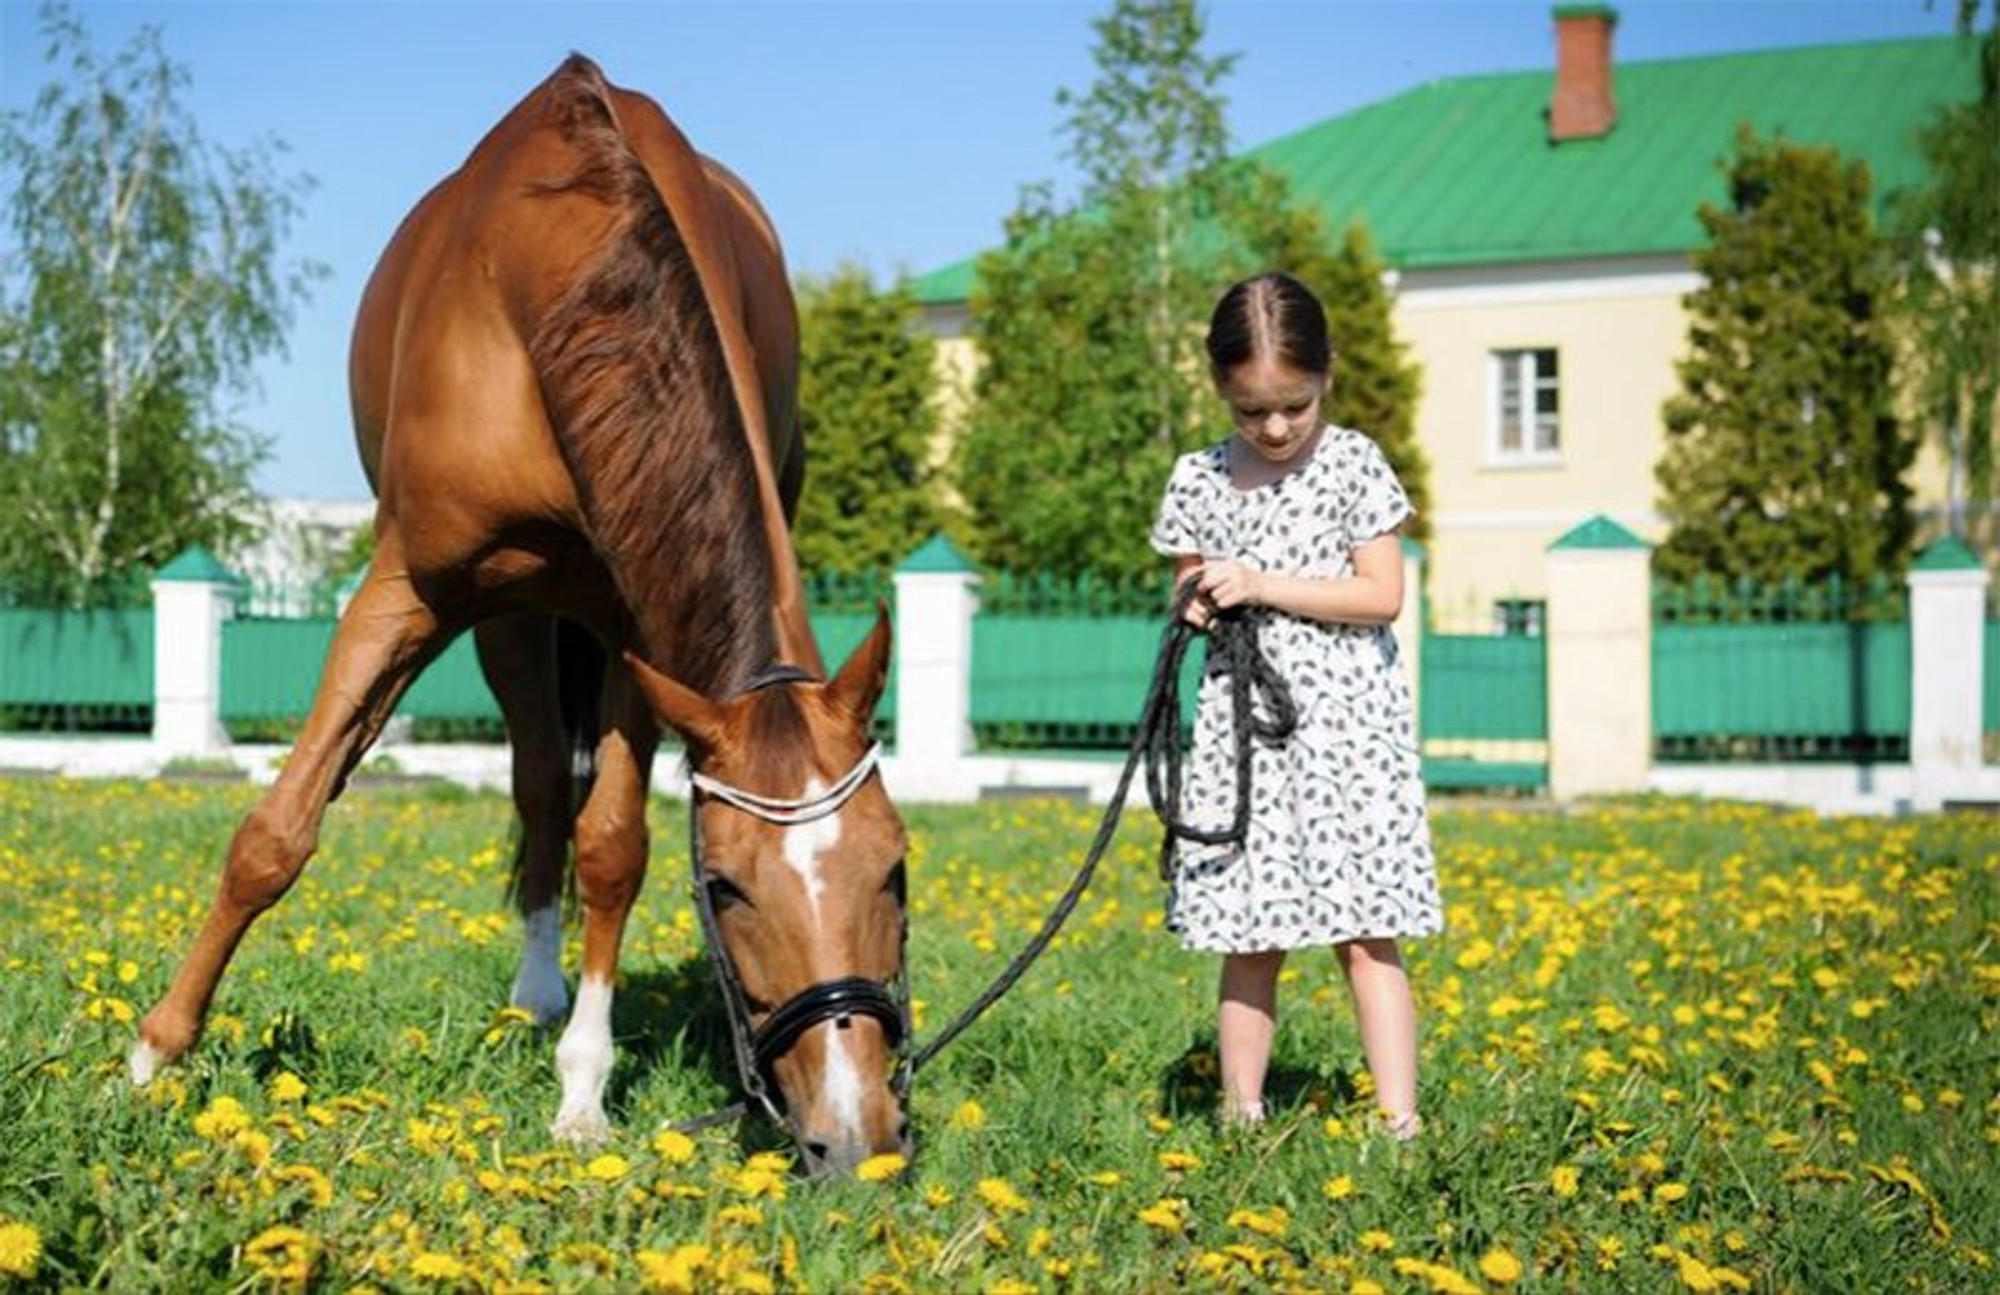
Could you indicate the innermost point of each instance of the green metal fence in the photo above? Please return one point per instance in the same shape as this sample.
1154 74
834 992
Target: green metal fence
1485 710
1787 672
74 671
1991 710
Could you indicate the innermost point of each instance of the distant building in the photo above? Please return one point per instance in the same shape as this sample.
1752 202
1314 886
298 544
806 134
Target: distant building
1539 229
286 569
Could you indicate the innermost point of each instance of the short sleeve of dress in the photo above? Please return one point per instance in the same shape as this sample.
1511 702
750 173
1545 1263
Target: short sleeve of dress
1378 504
1174 533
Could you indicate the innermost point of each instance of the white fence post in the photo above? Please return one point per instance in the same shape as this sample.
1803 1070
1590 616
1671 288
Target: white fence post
936 596
192 596
1600 661
1947 671
1409 631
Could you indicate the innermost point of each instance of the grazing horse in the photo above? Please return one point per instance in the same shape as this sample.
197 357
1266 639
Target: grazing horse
573 378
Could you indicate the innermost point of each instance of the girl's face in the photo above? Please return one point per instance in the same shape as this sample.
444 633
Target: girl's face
1275 406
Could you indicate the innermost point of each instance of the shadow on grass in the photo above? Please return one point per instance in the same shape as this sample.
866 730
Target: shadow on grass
673 1017
1192 1085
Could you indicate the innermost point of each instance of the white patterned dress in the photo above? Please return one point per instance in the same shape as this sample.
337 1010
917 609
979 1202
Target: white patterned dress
1339 847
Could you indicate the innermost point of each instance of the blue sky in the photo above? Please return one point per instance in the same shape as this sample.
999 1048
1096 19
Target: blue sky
895 135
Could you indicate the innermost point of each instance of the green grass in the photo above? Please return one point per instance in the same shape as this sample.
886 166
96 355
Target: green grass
1761 1041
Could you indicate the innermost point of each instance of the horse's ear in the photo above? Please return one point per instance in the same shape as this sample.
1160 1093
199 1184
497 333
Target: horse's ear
860 682
678 706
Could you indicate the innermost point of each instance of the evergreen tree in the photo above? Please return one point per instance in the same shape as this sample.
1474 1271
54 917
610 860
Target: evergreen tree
145 281
1784 458
1949 233
868 410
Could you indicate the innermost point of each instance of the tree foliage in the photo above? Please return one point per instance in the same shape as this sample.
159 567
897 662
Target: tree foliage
143 281
1784 457
1090 317
1949 233
868 409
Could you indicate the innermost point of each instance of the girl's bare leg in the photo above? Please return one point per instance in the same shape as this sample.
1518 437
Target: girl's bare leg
1245 1022
1387 1016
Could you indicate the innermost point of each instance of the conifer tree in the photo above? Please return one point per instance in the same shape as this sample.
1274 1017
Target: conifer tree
1784 457
868 411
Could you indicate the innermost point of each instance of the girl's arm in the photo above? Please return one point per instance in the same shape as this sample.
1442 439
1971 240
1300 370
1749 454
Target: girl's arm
1373 595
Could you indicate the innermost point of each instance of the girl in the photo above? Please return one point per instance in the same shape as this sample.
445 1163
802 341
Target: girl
1296 522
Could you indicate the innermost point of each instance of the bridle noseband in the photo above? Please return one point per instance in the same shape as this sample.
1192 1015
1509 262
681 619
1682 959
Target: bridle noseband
757 1050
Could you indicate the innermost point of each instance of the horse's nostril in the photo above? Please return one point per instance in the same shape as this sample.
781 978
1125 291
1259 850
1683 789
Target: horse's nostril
903 1131
816 1150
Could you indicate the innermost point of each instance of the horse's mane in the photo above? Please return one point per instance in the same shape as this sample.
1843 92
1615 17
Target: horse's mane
638 388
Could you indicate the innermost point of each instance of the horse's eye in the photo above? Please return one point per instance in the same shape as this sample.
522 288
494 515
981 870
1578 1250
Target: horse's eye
898 885
724 893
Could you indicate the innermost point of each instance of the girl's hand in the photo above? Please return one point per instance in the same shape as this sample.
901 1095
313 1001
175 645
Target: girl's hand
1227 583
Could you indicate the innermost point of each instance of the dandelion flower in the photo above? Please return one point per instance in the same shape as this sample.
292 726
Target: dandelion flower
283 1254
223 1120
676 1272
607 1168
1104 1178
1339 1188
287 1088
742 1216
1175 1162
20 1249
1564 1179
1001 1196
1272 1223
970 1117
675 1148
1169 1215
1376 1241
1499 1266
879 1169
432 1266
1668 1193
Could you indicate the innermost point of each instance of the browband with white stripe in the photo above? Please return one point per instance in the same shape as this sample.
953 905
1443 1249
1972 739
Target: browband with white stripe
787 812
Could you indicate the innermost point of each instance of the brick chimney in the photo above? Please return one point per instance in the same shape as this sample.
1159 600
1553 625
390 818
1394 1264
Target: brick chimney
1582 106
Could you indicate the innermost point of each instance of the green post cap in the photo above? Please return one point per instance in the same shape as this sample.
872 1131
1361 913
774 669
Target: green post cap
936 557
1603 11
197 565
1600 532
1947 554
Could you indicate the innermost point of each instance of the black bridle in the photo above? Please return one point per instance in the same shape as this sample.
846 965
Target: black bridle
757 1048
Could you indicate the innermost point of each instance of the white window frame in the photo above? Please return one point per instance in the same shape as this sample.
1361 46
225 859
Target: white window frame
1524 364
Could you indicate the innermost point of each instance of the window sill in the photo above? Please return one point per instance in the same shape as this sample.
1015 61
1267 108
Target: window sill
1525 463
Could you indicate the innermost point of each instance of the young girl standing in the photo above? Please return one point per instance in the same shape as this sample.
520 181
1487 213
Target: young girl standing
1295 522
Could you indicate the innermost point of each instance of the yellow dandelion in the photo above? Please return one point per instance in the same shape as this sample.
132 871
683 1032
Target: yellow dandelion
1668 1193
1104 1178
432 1266
1339 1188
1272 1223
1175 1162
742 1216
319 1188
1694 1274
283 1254
1499 1266
755 1180
1563 1179
287 1088
20 1249
1169 1215
1376 1242
1001 1196
970 1117
880 1169
607 1168
937 1196
1009 1286
674 1147
223 1120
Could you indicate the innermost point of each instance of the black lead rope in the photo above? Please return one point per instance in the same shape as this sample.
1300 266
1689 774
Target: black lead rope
1156 742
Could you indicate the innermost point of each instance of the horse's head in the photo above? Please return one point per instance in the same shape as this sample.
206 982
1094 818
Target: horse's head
802 859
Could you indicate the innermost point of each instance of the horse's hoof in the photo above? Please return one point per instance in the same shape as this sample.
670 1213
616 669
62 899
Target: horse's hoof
581 1128
547 1002
143 1063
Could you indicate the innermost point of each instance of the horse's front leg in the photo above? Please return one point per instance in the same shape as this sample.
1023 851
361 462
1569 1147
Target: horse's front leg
611 843
385 637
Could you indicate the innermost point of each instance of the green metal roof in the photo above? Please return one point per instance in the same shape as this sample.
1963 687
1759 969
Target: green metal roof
196 565
1460 172
1600 532
936 556
1948 553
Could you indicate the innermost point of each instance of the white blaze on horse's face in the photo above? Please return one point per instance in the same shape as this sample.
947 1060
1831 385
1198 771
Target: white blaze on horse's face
807 843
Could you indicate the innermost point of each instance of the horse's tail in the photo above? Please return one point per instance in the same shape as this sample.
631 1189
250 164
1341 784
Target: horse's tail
580 666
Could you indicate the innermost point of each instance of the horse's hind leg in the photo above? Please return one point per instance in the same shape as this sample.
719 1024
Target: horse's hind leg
385 637
611 842
518 655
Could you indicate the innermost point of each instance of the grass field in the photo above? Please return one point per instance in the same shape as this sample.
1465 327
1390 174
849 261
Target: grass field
1666 1046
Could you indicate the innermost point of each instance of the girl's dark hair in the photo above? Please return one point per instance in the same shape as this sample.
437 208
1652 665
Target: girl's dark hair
1272 314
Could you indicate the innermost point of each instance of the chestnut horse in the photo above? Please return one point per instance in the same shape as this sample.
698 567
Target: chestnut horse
573 380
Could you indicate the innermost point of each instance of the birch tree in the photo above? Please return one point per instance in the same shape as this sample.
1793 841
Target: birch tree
143 282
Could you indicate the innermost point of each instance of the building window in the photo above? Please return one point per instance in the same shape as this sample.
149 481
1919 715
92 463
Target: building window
1527 424
1519 617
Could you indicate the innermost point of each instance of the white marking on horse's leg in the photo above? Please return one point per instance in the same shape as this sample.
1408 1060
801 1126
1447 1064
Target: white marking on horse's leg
840 1086
584 1060
806 842
538 987
144 1063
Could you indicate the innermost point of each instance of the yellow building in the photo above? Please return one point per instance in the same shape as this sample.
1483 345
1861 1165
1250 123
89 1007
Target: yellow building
1540 227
